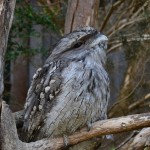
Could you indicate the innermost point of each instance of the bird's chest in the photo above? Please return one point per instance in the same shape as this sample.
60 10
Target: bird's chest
79 101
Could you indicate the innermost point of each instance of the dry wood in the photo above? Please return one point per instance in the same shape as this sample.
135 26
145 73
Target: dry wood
139 102
81 13
116 44
6 17
110 126
110 13
132 12
139 142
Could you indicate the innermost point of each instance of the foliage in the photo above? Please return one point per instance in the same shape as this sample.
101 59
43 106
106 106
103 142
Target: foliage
27 15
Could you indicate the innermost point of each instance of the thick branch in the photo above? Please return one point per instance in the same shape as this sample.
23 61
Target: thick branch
110 126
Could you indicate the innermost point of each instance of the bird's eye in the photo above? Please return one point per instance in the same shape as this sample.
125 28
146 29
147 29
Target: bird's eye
77 45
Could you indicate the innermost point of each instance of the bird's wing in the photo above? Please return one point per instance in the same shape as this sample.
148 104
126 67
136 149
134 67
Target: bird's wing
45 86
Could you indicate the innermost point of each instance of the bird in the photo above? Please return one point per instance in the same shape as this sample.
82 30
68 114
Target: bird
71 89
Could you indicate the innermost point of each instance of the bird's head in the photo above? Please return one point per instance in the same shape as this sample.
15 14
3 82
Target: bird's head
80 42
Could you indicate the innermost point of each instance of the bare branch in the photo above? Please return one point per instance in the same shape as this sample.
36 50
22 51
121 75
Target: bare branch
139 10
131 22
138 102
110 126
110 13
126 140
139 142
117 43
133 16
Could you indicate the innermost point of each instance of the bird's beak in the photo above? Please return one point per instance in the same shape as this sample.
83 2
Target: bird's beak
102 37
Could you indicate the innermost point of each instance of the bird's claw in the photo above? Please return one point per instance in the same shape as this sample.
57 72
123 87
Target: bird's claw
89 126
109 137
66 141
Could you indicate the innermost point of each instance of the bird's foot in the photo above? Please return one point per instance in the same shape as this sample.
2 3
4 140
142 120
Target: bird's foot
89 126
66 141
109 137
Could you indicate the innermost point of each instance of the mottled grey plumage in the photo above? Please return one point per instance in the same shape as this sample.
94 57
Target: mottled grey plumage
71 90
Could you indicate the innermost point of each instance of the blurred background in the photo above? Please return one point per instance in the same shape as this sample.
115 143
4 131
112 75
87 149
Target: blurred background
39 24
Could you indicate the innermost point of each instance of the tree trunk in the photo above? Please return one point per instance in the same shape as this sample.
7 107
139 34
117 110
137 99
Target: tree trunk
6 17
81 13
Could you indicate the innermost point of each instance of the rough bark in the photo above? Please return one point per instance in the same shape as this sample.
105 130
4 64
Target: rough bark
6 17
81 13
11 141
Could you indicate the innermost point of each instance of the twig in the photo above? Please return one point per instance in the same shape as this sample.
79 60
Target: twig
109 13
139 10
120 25
137 103
140 142
126 140
127 24
114 47
145 37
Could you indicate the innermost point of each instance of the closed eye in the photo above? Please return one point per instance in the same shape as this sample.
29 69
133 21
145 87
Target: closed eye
78 44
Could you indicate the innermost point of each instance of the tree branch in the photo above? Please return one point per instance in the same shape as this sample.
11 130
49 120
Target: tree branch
138 142
110 126
114 6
